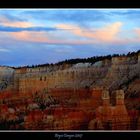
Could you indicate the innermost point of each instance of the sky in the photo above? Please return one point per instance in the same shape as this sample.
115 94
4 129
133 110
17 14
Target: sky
38 36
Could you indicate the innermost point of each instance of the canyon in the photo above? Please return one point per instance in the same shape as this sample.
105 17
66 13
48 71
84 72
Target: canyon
73 92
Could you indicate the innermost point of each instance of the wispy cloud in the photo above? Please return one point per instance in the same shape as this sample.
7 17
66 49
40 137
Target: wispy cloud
4 50
19 29
73 16
10 21
43 37
105 34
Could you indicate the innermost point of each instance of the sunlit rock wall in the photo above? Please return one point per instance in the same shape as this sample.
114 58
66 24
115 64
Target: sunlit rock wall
67 78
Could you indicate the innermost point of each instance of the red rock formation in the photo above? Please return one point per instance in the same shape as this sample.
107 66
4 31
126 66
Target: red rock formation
3 108
58 112
112 117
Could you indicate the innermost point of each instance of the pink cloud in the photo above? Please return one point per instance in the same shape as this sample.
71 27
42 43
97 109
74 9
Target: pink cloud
43 37
31 36
6 22
134 37
137 32
106 34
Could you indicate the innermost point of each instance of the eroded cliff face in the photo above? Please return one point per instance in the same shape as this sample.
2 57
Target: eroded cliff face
118 73
81 75
6 78
67 79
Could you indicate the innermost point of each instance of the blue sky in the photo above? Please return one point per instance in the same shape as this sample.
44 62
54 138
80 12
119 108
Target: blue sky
37 36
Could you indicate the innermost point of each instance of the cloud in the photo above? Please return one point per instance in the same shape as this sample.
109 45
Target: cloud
16 21
130 37
66 15
31 36
17 24
70 34
136 38
11 15
6 21
19 29
81 36
80 17
43 37
105 34
133 13
137 31
4 50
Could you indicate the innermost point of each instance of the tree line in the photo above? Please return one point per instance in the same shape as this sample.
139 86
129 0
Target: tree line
91 60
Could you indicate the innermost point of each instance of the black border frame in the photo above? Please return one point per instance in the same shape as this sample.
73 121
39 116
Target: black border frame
69 4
